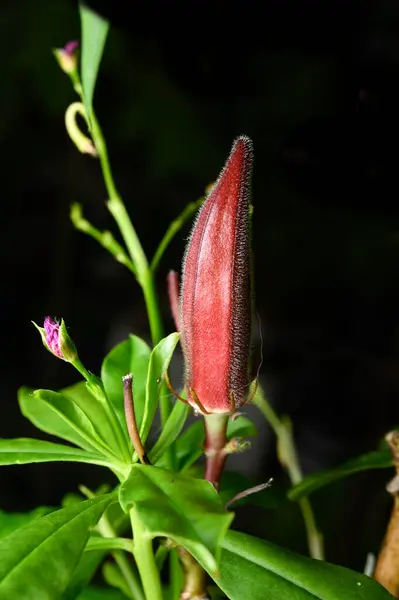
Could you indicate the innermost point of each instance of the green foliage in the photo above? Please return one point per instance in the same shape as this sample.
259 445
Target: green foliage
96 412
9 521
114 578
94 35
170 432
130 356
157 367
187 510
38 560
23 451
253 568
381 459
97 593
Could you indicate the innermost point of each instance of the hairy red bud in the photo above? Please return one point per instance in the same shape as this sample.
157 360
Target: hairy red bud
215 302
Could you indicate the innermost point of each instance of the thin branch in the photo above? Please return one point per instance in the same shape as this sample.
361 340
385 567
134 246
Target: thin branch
131 418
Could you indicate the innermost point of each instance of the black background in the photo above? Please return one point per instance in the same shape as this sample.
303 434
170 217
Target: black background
315 86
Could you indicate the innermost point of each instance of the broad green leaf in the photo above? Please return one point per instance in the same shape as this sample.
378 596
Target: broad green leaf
83 574
171 430
185 509
95 412
90 561
131 356
73 415
22 451
189 446
38 560
61 416
256 569
94 35
241 427
46 419
10 521
157 367
373 460
97 593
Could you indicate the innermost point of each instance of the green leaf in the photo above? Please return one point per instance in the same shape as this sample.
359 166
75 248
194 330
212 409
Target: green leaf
22 451
90 561
97 593
70 412
131 356
171 431
9 521
185 509
83 574
46 419
256 569
38 560
61 416
114 578
373 460
80 395
241 427
189 446
94 35
157 367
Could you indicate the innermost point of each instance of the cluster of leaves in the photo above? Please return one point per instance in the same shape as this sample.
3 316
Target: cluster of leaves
54 553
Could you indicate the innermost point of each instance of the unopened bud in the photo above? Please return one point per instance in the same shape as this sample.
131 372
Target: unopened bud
57 340
67 57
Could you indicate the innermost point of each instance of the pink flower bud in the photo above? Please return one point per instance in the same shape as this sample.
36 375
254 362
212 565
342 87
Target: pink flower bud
56 339
67 57
215 301
52 329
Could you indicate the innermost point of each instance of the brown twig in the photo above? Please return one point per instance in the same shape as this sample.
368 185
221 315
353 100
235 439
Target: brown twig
387 569
131 418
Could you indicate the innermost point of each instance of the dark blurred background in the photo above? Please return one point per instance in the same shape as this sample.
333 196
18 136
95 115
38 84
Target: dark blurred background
315 86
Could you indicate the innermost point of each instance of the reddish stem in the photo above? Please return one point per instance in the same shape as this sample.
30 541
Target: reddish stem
173 292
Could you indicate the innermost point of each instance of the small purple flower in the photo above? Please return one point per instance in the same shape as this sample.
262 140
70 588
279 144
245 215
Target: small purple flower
52 330
56 339
67 56
71 47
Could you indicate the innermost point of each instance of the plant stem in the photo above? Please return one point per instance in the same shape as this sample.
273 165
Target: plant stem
194 577
143 271
145 560
215 447
106 529
128 232
288 457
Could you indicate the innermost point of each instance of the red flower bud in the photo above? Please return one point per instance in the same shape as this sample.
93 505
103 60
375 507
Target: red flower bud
215 301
